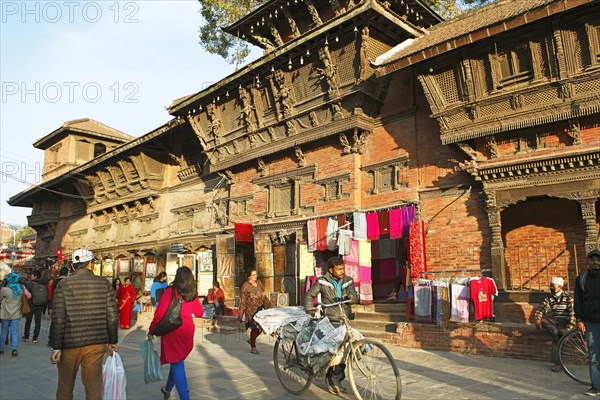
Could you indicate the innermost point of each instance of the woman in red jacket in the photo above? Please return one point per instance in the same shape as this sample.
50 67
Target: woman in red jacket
176 345
125 299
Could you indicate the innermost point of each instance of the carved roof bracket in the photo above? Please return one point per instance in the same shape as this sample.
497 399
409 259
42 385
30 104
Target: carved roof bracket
314 14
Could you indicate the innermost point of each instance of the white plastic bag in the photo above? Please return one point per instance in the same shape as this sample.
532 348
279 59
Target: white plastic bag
114 381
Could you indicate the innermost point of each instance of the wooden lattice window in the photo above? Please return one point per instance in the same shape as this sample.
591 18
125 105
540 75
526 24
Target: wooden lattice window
514 65
446 79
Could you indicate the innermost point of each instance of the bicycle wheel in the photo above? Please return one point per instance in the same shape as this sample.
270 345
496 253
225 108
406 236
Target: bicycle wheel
573 356
292 376
373 372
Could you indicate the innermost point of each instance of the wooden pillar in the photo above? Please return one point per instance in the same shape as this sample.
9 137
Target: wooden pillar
497 246
588 211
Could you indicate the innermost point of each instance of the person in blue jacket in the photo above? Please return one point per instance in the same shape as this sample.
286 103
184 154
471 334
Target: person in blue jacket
158 288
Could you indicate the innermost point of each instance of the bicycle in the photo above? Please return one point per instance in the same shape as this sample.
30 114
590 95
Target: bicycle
371 369
573 356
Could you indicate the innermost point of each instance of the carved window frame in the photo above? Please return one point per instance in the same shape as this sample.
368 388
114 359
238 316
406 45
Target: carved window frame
146 225
593 36
334 184
393 166
292 179
517 77
240 205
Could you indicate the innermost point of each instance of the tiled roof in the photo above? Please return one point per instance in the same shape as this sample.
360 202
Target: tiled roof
493 14
83 125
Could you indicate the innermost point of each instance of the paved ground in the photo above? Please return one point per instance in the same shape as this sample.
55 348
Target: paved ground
221 367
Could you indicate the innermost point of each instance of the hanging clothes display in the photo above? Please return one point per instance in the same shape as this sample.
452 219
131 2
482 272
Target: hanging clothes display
343 243
440 301
459 303
364 253
332 227
384 222
408 216
372 226
360 225
416 248
306 261
311 227
351 262
366 292
396 226
322 234
422 299
481 293
387 248
341 220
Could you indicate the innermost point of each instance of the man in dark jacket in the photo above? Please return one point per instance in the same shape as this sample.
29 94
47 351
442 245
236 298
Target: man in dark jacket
38 287
84 320
334 286
587 312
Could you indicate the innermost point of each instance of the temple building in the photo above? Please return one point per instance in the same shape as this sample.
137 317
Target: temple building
474 141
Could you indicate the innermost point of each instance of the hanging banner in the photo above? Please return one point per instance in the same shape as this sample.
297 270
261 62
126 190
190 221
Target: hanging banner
243 233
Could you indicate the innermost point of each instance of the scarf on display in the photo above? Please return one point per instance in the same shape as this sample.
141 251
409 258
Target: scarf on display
311 226
395 221
372 226
360 225
384 222
416 248
408 216
13 283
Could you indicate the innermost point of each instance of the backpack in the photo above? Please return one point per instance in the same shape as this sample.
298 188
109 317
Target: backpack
39 296
159 293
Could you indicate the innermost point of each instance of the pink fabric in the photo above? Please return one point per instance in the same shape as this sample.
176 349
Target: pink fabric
366 293
365 273
387 268
311 226
353 271
396 226
353 256
176 345
372 226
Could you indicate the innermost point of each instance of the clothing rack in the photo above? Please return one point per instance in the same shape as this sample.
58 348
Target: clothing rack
450 271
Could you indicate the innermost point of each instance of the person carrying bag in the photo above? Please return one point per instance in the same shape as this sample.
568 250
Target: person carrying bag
173 321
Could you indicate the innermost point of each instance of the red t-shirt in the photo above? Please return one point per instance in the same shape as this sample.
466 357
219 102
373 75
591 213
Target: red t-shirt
482 291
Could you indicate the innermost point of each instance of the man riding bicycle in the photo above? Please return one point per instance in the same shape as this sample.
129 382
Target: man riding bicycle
334 286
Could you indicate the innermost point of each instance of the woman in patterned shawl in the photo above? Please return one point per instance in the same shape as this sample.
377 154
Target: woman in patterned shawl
251 301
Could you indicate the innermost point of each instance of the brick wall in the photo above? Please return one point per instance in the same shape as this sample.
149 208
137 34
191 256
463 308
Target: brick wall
539 238
494 340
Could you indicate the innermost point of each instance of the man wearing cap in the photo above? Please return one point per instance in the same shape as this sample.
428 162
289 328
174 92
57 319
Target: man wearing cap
562 316
84 327
587 312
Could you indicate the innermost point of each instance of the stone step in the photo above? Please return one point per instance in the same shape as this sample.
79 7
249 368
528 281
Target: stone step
380 308
375 326
381 317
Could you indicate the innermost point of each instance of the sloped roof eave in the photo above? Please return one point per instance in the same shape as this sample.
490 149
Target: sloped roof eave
439 42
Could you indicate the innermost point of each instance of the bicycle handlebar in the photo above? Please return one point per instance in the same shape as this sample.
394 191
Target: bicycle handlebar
348 301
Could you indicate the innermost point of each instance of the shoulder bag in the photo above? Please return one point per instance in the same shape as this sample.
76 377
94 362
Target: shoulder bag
25 309
172 318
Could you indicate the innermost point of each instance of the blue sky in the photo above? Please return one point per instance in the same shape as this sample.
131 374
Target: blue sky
118 62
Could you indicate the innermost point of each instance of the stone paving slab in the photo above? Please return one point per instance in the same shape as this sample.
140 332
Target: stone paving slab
222 367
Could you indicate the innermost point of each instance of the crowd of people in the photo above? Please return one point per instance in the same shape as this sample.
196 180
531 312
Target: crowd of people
87 312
